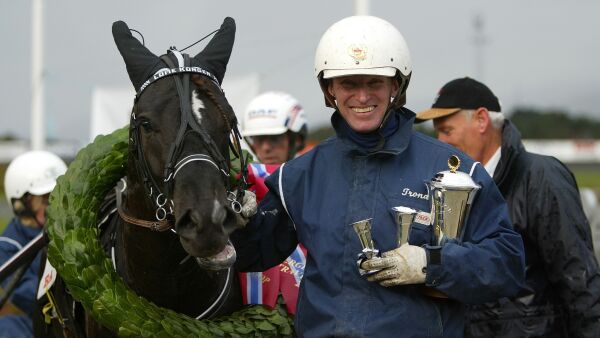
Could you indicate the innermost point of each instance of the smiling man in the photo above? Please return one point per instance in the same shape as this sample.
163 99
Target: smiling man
376 164
362 100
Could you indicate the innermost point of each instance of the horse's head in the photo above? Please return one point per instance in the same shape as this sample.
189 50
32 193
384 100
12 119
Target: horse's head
179 143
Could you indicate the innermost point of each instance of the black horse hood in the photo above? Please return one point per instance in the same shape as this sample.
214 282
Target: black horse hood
142 64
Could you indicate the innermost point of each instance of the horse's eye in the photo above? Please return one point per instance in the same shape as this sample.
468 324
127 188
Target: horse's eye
146 125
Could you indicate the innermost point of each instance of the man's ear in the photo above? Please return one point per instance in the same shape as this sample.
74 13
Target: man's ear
395 87
482 117
330 89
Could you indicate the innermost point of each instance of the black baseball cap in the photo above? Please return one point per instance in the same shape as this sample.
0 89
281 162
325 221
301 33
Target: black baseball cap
463 93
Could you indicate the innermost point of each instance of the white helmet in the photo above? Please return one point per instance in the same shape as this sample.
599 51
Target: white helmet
33 172
363 45
274 113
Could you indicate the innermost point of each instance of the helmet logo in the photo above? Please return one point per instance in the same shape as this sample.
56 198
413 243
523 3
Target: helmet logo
259 113
358 52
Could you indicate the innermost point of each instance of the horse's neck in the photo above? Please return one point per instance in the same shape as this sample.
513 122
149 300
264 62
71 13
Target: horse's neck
164 274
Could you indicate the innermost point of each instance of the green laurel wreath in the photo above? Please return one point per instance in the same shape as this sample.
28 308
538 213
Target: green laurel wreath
75 252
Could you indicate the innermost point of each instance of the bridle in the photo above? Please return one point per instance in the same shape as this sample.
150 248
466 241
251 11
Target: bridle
162 200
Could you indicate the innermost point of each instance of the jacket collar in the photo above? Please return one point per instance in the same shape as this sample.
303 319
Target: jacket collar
512 148
394 144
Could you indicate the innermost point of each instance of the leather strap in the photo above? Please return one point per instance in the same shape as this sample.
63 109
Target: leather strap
152 225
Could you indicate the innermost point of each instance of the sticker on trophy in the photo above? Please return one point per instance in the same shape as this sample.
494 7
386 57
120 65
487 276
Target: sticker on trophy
423 217
47 280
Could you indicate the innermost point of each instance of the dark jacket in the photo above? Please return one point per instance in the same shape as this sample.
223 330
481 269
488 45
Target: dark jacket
14 238
314 198
563 280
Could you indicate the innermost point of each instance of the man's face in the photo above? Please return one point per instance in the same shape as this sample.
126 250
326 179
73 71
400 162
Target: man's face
271 149
363 99
37 204
460 130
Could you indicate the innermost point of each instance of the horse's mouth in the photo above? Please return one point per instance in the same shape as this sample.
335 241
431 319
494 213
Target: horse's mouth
220 261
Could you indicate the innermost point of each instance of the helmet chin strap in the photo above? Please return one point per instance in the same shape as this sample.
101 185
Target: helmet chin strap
388 111
400 99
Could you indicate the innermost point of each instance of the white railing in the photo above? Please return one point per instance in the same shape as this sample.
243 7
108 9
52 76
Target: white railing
568 151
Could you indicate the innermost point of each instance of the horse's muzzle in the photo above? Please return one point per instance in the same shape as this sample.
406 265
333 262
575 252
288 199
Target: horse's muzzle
220 261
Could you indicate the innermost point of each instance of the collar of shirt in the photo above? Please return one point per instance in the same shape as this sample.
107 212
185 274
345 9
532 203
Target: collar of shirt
396 141
491 165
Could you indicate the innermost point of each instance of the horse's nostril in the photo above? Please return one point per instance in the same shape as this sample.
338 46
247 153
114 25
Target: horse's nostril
219 213
183 221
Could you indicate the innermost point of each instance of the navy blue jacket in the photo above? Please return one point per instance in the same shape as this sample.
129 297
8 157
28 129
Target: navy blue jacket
14 237
338 183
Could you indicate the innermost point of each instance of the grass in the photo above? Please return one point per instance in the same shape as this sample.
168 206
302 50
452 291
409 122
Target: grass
3 223
5 215
588 178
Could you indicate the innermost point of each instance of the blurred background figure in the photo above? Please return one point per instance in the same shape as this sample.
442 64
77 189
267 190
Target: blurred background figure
274 125
28 181
562 295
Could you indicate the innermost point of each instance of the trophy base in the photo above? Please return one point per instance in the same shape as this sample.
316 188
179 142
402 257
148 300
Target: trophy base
368 273
434 293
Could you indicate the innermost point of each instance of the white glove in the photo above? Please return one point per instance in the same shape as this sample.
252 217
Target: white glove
249 204
403 265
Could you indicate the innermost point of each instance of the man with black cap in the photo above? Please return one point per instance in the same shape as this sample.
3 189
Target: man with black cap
562 298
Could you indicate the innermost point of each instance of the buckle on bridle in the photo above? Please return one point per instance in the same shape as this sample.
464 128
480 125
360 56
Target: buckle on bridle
236 206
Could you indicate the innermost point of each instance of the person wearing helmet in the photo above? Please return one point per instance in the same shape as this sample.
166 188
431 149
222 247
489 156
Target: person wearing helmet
375 164
274 125
28 181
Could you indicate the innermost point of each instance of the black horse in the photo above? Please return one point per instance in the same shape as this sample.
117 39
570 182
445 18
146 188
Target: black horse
168 222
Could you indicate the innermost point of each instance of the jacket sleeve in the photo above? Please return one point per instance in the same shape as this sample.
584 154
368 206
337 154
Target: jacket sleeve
23 295
562 233
489 262
268 239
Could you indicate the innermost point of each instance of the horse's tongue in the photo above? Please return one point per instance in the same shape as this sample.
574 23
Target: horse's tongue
222 260
225 254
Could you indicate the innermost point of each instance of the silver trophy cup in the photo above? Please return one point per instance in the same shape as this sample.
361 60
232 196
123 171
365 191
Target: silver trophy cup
404 218
451 194
363 230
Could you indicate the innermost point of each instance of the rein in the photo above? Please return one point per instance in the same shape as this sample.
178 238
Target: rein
163 202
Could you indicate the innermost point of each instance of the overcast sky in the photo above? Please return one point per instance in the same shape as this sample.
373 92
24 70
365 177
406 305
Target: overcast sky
536 53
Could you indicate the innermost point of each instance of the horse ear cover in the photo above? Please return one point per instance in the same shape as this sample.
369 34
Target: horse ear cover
215 55
141 63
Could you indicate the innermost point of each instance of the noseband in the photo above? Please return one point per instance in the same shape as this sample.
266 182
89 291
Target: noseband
162 200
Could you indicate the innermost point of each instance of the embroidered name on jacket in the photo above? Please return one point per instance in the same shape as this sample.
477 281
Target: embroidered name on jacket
414 194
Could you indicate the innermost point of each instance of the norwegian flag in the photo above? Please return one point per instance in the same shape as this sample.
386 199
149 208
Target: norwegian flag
264 287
